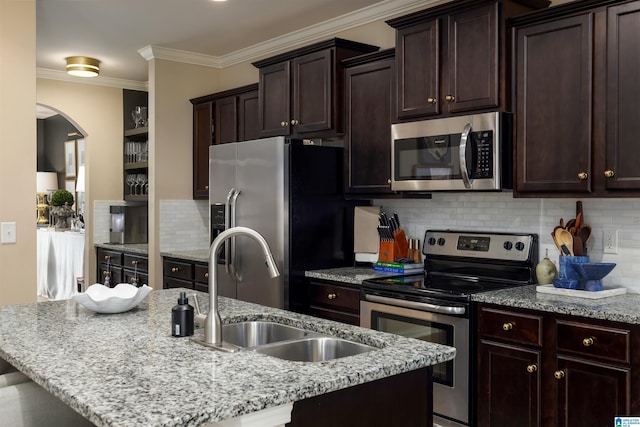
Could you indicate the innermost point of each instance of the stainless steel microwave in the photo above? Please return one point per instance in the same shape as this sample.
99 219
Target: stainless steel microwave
461 153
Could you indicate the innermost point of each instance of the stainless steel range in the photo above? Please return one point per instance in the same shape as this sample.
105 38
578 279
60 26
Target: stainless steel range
436 306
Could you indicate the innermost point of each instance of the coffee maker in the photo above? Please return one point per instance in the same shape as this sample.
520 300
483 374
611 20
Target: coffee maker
129 224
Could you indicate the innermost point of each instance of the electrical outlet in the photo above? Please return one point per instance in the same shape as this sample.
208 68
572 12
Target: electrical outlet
610 243
8 232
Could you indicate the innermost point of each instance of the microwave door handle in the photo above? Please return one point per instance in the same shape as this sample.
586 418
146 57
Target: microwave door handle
464 139
232 240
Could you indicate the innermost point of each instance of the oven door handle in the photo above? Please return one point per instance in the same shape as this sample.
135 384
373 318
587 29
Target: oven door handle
422 306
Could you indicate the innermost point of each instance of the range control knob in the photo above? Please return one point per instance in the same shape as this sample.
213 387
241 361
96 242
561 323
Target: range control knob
441 241
507 245
431 241
520 246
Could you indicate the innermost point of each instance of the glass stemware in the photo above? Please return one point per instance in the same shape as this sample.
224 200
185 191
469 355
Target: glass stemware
131 182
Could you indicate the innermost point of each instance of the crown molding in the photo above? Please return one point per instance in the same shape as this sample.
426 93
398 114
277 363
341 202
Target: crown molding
380 11
45 73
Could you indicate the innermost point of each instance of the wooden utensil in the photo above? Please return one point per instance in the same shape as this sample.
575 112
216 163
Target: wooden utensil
563 237
584 233
578 223
578 248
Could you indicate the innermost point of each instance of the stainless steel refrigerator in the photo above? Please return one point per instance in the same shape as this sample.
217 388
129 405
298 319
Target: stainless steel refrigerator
289 192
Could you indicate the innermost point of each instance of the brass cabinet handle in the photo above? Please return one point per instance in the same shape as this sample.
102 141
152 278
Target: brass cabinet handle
609 173
134 280
589 341
175 269
294 122
283 124
558 374
332 296
134 262
508 326
431 100
582 176
389 181
206 187
532 368
105 273
206 275
107 257
450 98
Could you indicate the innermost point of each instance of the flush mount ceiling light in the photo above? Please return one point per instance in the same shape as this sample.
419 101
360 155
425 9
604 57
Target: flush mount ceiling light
82 66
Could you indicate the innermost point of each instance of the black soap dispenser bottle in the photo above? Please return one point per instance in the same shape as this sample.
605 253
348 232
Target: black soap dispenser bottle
182 317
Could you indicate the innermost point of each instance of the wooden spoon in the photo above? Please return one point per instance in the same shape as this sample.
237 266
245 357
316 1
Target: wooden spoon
578 248
584 233
563 237
578 223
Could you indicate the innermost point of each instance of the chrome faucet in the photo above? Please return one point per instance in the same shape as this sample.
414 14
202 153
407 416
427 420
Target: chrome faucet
213 323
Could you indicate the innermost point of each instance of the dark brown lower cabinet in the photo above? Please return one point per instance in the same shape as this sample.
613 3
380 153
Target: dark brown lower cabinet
401 400
544 369
334 301
122 267
182 273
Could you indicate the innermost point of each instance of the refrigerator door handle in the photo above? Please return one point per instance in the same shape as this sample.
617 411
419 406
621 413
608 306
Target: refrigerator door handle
227 222
232 240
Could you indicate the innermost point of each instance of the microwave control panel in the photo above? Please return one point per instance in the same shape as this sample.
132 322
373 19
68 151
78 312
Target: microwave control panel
483 154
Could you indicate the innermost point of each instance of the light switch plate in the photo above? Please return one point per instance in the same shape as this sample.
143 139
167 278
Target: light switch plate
8 232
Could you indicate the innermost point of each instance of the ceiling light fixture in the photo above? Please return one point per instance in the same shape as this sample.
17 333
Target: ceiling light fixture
82 66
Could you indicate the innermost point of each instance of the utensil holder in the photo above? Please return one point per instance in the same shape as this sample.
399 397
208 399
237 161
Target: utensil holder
566 269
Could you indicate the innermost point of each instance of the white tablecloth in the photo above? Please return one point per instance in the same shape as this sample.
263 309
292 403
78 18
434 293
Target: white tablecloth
60 263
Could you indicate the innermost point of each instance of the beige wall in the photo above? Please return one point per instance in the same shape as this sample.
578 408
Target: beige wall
171 85
97 112
18 149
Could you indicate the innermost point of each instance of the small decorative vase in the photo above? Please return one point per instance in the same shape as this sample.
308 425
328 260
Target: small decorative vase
546 270
62 215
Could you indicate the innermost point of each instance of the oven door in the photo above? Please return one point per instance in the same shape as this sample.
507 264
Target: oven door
414 320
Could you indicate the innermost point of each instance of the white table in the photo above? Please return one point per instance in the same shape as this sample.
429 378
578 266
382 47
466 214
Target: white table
60 262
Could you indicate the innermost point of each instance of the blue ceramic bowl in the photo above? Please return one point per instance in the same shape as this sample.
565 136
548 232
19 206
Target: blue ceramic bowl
565 283
591 274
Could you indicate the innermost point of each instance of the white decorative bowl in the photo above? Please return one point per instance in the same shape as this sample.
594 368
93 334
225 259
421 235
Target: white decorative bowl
102 299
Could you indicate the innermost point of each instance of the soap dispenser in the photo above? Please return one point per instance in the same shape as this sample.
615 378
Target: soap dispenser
182 317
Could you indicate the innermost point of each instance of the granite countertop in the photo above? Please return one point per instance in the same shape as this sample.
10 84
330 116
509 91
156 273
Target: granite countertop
349 275
197 255
136 248
621 308
127 370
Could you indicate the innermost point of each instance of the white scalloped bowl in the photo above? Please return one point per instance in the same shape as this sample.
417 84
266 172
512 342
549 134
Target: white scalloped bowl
102 299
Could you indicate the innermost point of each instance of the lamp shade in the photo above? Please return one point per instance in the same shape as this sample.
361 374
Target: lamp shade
80 180
46 181
82 66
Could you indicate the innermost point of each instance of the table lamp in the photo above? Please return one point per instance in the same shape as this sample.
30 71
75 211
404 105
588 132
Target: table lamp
45 182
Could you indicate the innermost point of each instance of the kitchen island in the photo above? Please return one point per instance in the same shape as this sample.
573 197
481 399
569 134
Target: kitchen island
127 370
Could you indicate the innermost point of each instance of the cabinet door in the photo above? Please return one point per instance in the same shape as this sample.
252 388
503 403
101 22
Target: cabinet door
508 386
472 59
312 92
418 65
203 130
623 102
585 385
554 106
226 122
370 104
248 122
275 99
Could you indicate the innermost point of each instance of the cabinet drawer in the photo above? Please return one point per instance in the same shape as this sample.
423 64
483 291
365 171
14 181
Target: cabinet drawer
510 326
337 297
201 273
170 282
138 279
593 340
113 257
178 269
132 261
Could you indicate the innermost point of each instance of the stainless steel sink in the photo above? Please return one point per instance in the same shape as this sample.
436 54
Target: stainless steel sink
253 334
314 349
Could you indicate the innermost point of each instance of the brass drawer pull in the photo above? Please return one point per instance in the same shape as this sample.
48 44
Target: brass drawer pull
283 124
609 173
450 98
107 257
589 341
431 100
332 296
558 374
583 176
134 262
532 368
175 269
134 280
294 122
508 326
206 275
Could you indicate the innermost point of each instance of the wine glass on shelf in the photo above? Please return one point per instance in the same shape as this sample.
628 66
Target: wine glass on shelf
141 180
131 181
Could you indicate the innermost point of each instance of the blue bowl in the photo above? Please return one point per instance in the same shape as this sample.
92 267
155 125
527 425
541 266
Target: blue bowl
591 274
565 283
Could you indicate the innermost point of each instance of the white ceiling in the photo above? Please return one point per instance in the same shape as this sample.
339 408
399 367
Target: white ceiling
113 31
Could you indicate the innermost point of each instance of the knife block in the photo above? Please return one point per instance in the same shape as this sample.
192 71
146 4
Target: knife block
386 252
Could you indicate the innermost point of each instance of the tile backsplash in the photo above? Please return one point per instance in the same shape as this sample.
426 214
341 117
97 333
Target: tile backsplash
501 212
184 225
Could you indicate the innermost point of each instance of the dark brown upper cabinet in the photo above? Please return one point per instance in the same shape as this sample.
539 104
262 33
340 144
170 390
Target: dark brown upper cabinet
221 118
576 103
370 102
455 58
301 91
